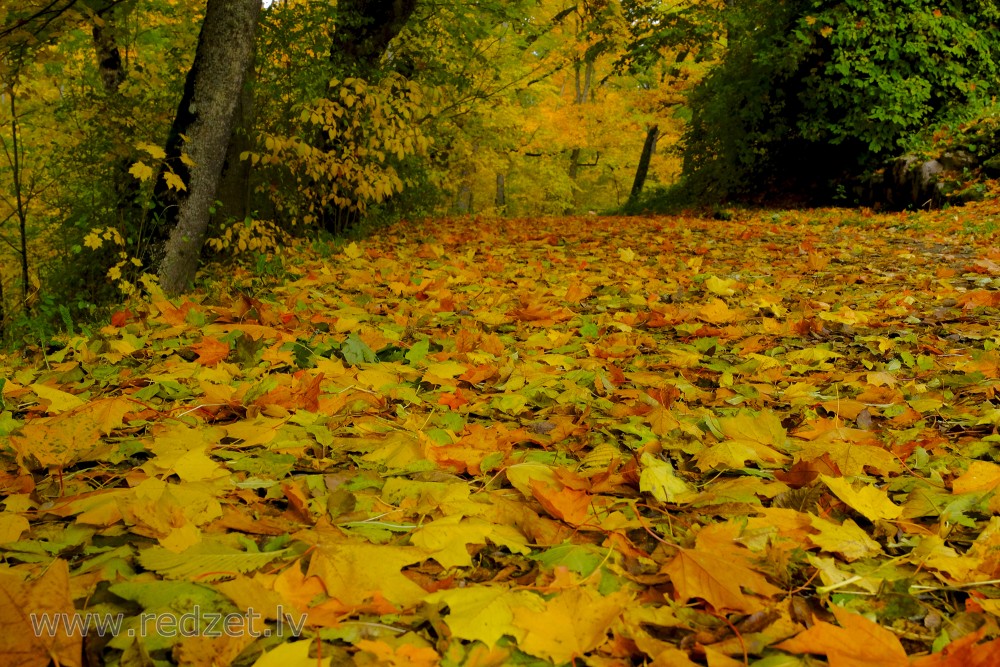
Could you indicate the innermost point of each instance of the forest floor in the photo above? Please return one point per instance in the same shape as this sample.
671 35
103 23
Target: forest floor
488 442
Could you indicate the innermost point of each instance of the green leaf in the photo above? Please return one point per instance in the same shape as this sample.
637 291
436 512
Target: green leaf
356 352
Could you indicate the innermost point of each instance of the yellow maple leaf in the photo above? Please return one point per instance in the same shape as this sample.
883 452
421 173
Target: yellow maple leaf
570 624
717 311
12 526
291 654
764 427
154 151
354 572
932 552
749 437
174 181
56 400
718 579
658 478
141 170
735 454
181 451
851 455
92 241
848 539
981 476
482 613
444 540
47 595
721 286
353 251
873 503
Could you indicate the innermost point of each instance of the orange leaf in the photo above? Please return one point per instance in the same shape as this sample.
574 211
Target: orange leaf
701 574
567 504
407 654
964 652
454 400
211 351
858 642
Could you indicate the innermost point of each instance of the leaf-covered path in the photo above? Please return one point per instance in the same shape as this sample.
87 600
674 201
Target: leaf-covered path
609 441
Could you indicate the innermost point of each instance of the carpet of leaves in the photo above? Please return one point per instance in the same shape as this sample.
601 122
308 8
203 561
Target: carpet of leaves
669 441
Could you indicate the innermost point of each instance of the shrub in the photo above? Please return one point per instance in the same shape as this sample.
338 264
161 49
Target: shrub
811 93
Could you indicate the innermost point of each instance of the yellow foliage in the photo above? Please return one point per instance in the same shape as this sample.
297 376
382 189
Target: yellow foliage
364 123
174 181
154 151
92 241
141 170
250 235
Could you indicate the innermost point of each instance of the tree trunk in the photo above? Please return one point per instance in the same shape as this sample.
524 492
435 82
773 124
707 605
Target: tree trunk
234 186
643 169
463 199
501 200
580 98
3 312
205 118
109 57
364 30
582 93
20 205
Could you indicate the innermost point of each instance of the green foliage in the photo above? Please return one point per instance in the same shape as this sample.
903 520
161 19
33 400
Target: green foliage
889 68
979 137
656 28
812 92
661 200
51 316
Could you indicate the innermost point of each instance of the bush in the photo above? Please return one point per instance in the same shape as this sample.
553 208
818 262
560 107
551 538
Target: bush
811 93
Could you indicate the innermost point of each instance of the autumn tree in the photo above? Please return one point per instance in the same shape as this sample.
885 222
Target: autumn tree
26 29
568 131
199 137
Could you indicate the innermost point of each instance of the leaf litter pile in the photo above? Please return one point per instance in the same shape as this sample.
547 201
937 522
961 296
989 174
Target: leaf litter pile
669 441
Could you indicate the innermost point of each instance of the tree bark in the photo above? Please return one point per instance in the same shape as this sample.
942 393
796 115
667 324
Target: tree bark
582 93
463 199
234 185
109 57
364 30
21 206
647 153
501 199
205 118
